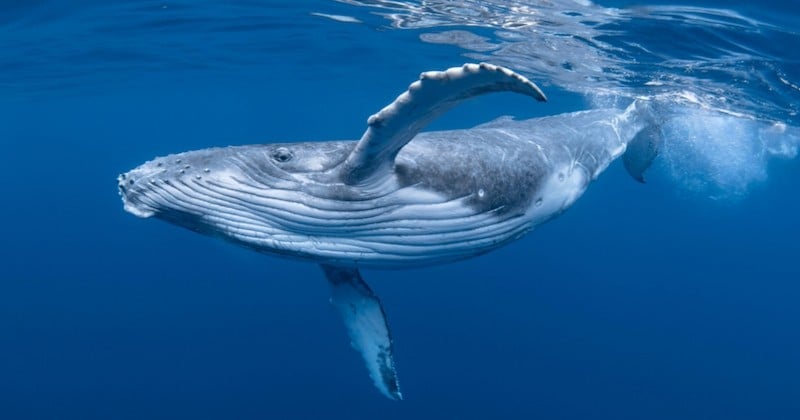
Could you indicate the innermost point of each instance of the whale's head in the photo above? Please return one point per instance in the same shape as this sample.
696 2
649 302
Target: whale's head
249 194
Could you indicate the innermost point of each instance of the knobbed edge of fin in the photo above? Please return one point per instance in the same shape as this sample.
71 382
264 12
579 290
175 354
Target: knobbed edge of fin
435 93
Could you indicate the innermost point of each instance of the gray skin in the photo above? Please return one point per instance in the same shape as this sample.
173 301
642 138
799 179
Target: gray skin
396 198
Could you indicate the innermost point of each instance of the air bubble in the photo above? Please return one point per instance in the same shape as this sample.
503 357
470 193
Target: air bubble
561 176
481 193
538 202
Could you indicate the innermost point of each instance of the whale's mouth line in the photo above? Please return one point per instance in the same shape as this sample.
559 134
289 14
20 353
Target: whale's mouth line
124 186
136 211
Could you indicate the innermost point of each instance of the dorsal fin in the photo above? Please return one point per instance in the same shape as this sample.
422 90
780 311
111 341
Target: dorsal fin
432 95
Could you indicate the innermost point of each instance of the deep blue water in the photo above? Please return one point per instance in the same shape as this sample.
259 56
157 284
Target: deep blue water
674 299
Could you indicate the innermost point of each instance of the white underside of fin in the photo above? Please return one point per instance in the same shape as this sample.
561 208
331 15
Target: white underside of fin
366 325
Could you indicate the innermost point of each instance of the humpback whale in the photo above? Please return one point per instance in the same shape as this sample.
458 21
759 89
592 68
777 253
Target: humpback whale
398 197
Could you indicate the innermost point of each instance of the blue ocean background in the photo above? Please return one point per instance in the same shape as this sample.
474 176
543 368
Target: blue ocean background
677 299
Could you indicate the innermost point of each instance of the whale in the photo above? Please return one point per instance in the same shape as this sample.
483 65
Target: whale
398 197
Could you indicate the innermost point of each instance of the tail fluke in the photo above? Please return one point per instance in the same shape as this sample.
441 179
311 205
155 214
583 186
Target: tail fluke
708 151
646 143
642 150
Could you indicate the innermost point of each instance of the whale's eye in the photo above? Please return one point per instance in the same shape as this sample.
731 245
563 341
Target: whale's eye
282 154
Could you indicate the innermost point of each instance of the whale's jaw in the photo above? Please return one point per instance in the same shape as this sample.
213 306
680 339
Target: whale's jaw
130 191
136 210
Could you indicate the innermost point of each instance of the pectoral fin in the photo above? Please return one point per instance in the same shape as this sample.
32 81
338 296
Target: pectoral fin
366 325
432 95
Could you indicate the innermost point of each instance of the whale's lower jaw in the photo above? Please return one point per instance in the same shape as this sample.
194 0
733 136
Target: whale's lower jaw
386 254
396 243
137 211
